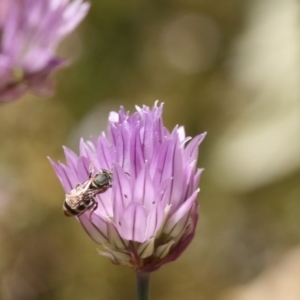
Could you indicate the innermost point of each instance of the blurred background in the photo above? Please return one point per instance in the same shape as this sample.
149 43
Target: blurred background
231 68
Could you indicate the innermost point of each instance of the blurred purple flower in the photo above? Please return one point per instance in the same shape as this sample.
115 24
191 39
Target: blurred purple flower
149 215
30 31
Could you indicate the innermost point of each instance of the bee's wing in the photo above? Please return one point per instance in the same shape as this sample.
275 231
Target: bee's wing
85 185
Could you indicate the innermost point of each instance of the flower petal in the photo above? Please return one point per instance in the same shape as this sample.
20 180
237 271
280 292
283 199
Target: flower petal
93 231
155 220
65 182
146 249
137 158
114 237
133 224
191 151
120 257
104 153
86 149
71 158
121 192
83 165
163 250
105 206
67 179
181 213
144 190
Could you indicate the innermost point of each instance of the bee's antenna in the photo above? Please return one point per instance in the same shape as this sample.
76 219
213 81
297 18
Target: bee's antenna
91 169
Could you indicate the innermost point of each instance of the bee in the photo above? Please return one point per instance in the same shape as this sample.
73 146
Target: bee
82 197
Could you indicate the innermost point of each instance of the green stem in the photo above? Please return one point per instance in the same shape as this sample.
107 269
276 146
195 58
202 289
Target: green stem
142 282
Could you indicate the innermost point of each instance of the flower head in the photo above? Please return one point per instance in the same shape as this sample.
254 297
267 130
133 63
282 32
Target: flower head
30 31
148 216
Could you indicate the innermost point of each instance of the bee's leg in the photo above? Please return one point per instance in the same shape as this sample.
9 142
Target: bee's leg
95 206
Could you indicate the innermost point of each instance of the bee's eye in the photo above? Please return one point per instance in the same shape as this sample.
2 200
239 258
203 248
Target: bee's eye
81 207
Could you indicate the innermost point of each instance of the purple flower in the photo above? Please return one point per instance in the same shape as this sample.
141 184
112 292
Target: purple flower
148 216
30 31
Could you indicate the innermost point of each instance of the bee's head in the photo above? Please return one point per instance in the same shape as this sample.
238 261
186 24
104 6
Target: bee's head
103 179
